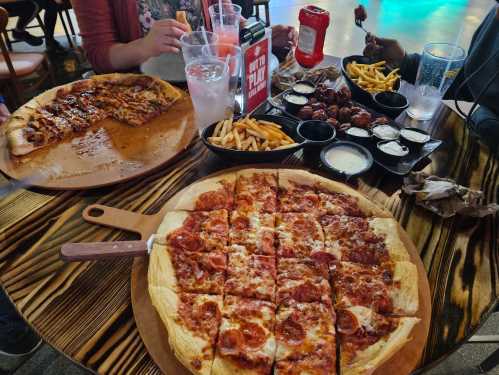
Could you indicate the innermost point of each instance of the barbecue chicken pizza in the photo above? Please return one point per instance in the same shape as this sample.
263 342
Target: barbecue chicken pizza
63 111
265 271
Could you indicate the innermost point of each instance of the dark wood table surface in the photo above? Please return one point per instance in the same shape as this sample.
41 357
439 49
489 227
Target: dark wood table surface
84 309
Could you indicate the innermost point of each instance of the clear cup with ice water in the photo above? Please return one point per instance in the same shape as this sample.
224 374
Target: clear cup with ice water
438 67
192 44
208 82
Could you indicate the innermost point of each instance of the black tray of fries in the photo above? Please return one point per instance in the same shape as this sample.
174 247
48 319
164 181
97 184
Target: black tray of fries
274 106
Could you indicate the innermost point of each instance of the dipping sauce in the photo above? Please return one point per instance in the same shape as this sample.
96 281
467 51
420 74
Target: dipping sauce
358 132
303 88
394 148
346 159
414 136
296 99
385 132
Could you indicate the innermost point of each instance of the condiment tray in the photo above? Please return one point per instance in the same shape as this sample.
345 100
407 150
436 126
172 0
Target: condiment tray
401 168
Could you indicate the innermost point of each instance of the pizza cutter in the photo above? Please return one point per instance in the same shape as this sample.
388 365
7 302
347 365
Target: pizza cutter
144 225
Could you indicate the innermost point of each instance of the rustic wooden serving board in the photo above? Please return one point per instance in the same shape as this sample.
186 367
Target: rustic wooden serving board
153 332
108 153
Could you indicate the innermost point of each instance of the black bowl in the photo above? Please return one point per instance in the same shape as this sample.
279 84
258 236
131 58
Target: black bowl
290 106
337 171
357 138
288 127
390 158
358 93
411 143
305 82
315 133
390 103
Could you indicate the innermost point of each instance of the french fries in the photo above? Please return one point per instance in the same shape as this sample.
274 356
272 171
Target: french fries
371 78
248 134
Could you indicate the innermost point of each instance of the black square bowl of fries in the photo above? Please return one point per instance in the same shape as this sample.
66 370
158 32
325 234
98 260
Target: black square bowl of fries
373 78
260 138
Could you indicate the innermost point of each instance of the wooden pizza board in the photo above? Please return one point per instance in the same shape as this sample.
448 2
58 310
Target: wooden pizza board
153 332
108 153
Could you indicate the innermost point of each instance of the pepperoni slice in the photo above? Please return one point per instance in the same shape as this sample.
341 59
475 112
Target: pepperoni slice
291 331
323 257
230 341
181 239
307 292
212 200
208 311
241 223
254 335
215 262
347 322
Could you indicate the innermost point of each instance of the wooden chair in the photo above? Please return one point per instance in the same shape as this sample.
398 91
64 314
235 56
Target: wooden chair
265 3
21 73
64 11
39 23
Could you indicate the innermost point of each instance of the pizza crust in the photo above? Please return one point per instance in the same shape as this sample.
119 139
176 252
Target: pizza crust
367 207
171 221
161 272
368 360
185 345
289 177
188 197
405 298
389 228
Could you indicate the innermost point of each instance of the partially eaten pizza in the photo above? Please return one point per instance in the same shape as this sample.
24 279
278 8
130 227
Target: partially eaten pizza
63 111
267 271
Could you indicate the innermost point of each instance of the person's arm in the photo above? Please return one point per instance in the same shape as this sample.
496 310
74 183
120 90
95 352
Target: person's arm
102 46
162 38
392 52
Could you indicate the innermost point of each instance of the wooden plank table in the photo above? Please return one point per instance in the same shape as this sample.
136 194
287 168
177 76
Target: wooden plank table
84 309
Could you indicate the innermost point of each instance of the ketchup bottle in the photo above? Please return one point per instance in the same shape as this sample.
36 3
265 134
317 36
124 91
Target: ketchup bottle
314 22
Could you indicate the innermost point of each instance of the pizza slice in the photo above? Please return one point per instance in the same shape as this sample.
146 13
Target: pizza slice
214 193
368 339
297 192
187 271
392 290
300 236
256 190
302 280
339 199
71 109
305 337
254 231
250 275
246 343
192 321
373 241
198 231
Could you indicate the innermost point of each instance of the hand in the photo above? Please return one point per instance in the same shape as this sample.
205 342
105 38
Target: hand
164 36
4 113
284 36
384 49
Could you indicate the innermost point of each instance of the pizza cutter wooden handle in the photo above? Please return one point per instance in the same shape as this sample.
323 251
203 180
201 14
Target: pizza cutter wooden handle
145 225
72 252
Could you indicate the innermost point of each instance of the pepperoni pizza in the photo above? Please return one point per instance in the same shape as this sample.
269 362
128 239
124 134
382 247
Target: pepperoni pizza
267 271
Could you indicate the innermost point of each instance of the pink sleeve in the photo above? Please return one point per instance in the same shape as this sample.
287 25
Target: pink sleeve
98 31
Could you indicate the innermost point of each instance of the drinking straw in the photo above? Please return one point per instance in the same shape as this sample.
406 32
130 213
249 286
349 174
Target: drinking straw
221 18
205 39
227 58
454 51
